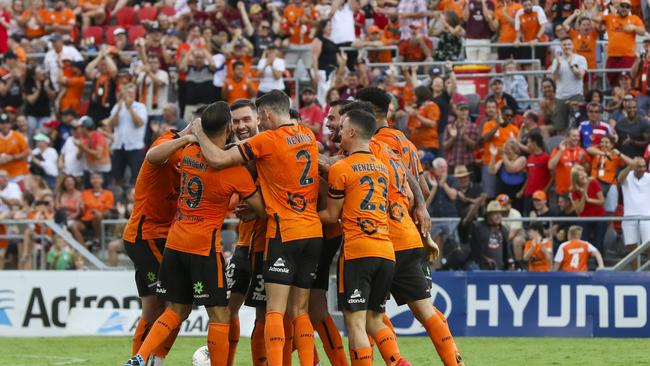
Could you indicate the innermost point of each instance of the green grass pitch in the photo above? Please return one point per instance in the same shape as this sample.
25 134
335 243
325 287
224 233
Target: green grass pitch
113 351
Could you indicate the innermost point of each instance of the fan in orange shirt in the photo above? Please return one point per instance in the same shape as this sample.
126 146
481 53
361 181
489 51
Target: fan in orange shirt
504 22
72 82
584 36
423 121
13 150
34 19
375 38
97 203
238 86
538 251
192 269
572 255
299 19
155 202
564 157
62 19
294 230
358 194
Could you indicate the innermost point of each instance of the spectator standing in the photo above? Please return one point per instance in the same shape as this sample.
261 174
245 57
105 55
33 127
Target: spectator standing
635 185
43 209
530 24
311 113
128 120
375 38
342 14
460 138
450 38
39 93
97 203
34 19
503 23
572 255
69 200
62 19
71 83
494 135
12 78
593 129
491 249
13 151
564 158
502 98
622 29
477 15
547 104
409 12
584 36
568 71
101 71
633 129
44 160
93 149
641 72
515 227
560 229
515 84
300 17
153 87
238 86
538 250
417 47
199 68
442 200
423 121
510 171
607 161
538 176
270 69
588 201
324 59
5 25
69 161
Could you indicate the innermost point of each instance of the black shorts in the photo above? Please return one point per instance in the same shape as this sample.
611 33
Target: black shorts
330 247
293 263
366 284
256 295
505 53
187 278
146 256
238 271
410 282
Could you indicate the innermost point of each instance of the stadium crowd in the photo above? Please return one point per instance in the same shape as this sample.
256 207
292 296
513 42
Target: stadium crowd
86 86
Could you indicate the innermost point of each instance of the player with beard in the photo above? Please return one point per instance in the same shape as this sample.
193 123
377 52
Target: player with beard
244 271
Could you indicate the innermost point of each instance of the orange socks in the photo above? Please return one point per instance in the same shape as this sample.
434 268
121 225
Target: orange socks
361 356
274 337
332 342
218 343
166 346
304 339
387 323
289 344
387 344
258 349
441 337
139 335
233 339
161 329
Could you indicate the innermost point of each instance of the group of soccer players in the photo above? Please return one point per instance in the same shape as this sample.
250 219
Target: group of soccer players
292 224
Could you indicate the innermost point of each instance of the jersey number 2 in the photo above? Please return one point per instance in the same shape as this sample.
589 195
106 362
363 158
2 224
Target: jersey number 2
305 179
366 205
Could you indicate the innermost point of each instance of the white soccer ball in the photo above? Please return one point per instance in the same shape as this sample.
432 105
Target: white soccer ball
201 357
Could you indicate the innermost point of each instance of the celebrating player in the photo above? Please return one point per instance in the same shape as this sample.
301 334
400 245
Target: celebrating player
573 255
155 199
359 194
285 157
245 280
192 269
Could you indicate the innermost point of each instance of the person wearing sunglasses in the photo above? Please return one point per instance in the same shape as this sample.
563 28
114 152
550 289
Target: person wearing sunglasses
622 29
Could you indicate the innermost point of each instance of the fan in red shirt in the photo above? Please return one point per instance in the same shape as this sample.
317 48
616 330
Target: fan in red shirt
539 177
588 200
311 113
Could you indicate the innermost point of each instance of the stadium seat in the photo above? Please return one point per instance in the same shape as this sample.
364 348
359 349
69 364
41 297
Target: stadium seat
96 32
125 16
108 33
149 13
168 10
135 32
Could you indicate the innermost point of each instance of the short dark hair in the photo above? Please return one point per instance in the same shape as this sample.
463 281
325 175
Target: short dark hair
422 94
537 226
215 118
491 100
341 102
507 108
365 122
294 114
537 138
357 105
379 99
242 103
276 100
532 116
237 63
567 38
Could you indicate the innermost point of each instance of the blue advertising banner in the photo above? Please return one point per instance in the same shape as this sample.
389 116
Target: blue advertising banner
528 304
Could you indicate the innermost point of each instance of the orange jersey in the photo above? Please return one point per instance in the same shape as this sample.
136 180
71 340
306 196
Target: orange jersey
529 24
73 93
457 6
203 202
620 43
287 166
237 90
605 168
507 33
421 135
401 229
538 261
12 144
156 196
585 45
299 33
64 17
362 181
498 140
96 201
35 22
401 145
568 159
573 255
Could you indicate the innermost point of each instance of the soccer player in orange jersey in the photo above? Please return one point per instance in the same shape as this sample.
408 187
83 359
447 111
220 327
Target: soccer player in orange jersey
358 194
156 195
285 156
412 281
192 269
572 255
244 271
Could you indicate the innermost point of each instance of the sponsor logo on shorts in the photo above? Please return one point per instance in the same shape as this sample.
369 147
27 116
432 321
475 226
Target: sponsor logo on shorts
151 277
356 298
161 290
278 266
198 290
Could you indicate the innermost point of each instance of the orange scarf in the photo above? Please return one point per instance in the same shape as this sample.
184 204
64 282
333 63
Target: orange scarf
642 78
143 93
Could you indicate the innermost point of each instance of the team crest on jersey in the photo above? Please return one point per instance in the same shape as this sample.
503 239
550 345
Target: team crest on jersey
368 227
395 212
297 202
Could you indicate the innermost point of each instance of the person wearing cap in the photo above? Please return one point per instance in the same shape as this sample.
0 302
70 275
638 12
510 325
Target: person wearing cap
460 138
417 47
568 71
622 28
497 92
515 226
311 113
57 52
490 247
375 38
270 70
471 200
541 207
119 50
94 150
44 159
13 150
